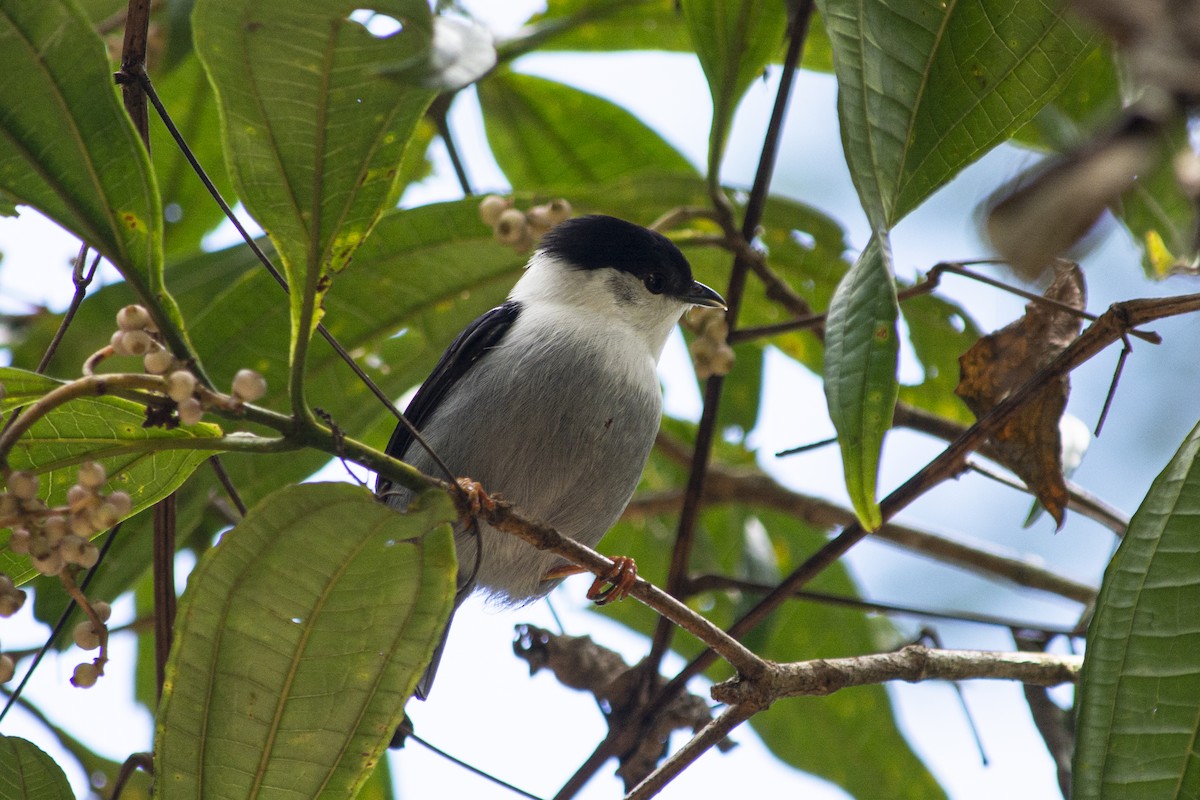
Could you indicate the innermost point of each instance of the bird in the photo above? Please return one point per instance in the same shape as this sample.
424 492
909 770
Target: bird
552 401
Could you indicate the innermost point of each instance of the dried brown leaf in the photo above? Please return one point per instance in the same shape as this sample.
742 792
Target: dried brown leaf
580 663
1029 443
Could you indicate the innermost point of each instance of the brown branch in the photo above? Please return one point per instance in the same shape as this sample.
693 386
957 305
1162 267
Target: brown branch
1111 326
133 59
743 258
914 663
726 485
709 582
713 733
500 515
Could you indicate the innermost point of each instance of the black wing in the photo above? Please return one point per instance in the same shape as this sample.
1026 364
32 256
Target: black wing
470 346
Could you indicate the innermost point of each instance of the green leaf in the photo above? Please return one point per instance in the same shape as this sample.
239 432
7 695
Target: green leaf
313 132
861 348
734 40
1139 695
940 331
140 461
1089 101
925 87
1159 215
543 133
624 25
28 773
425 274
298 640
74 154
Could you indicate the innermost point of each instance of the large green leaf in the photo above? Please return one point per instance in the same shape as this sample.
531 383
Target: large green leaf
925 87
427 272
28 773
109 430
73 153
313 131
861 347
622 25
1139 695
734 40
298 640
543 133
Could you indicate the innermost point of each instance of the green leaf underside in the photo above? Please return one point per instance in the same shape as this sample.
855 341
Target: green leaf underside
735 41
104 429
861 347
926 87
73 154
26 772
314 132
298 640
1139 696
543 134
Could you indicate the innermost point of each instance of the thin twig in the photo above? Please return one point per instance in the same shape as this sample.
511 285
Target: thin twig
82 280
500 515
710 583
60 624
439 110
1112 386
1079 500
142 761
712 734
163 560
755 205
227 484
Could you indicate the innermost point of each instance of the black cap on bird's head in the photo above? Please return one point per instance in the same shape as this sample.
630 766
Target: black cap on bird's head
597 241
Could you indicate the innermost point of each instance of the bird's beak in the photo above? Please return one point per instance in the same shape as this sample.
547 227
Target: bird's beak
701 295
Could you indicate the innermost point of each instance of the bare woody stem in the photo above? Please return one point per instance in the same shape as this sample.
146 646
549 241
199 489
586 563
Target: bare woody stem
913 664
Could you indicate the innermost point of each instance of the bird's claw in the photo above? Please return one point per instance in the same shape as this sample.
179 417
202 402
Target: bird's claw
474 497
620 579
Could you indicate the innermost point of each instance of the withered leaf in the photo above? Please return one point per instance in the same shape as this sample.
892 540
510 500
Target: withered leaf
580 663
1029 443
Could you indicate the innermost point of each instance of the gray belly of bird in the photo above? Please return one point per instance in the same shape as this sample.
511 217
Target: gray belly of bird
572 463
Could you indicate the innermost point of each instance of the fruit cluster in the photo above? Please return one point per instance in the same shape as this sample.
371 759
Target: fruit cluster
521 229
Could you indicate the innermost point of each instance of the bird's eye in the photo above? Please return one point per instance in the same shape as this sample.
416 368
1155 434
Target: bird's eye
655 282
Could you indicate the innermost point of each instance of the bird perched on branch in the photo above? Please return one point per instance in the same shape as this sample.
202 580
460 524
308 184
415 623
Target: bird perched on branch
552 400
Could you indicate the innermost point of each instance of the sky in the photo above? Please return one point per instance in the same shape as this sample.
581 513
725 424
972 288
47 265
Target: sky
533 732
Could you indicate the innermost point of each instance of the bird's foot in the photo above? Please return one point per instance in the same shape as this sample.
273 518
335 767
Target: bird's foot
474 497
616 584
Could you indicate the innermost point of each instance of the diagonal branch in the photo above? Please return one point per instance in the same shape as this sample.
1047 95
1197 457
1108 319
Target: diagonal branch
824 676
1117 321
681 554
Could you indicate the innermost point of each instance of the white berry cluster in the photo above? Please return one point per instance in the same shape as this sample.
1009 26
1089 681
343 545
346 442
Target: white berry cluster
58 540
137 335
90 637
520 229
54 538
711 353
11 600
